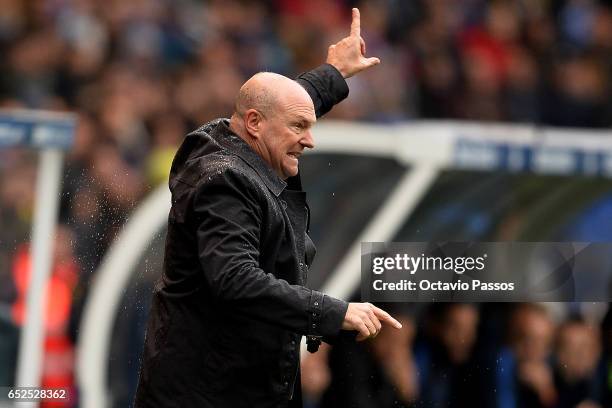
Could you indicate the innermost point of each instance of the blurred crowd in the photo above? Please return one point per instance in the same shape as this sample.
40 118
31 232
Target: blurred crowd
142 73
466 355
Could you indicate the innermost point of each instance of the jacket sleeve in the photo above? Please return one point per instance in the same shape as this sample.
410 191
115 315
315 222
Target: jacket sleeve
326 87
229 224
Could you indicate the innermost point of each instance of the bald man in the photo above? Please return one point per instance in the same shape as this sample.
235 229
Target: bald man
231 307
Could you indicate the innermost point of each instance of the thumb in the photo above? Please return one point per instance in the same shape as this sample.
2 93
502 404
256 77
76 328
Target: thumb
370 62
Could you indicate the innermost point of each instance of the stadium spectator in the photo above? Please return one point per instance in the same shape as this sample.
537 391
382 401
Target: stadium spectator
525 375
577 353
377 373
445 357
58 363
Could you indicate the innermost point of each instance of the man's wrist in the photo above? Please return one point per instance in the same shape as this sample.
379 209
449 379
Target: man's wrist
339 69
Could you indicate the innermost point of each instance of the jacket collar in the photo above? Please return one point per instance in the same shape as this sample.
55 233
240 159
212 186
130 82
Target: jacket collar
223 135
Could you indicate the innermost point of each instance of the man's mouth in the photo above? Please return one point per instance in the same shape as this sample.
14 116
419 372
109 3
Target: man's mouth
295 155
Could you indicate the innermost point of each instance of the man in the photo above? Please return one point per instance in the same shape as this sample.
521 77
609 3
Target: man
577 370
231 307
525 377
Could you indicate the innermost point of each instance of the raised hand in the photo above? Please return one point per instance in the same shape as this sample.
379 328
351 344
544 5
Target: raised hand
348 55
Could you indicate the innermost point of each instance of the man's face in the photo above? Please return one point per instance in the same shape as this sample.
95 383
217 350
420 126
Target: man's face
578 351
533 339
286 131
458 332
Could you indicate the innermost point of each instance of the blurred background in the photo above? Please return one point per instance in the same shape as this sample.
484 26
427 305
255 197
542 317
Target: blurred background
140 74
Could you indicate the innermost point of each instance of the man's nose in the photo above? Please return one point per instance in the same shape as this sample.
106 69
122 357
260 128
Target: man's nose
307 140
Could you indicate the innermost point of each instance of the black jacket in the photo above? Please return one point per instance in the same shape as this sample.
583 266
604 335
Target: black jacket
230 308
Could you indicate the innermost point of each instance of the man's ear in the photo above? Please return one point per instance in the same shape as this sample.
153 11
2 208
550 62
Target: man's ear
252 122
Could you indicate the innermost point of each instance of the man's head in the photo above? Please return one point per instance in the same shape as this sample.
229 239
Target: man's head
531 332
458 330
274 114
578 349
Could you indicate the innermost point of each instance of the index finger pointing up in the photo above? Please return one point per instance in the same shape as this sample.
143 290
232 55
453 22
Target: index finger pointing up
356 23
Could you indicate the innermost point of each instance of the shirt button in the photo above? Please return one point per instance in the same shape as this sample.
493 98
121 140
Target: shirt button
316 303
293 342
286 383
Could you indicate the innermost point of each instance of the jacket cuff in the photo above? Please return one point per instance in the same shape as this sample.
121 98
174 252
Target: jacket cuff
328 84
326 315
